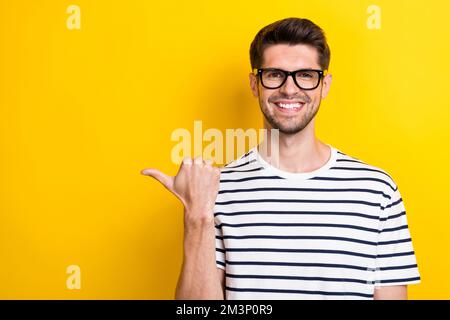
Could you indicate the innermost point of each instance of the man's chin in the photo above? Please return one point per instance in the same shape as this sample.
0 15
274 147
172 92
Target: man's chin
282 127
290 131
287 130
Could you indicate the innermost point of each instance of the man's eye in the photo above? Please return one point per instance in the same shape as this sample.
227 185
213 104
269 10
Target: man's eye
305 75
274 74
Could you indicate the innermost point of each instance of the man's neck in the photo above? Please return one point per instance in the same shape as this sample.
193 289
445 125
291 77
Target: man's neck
296 153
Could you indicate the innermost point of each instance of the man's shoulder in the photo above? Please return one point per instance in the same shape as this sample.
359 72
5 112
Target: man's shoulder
358 167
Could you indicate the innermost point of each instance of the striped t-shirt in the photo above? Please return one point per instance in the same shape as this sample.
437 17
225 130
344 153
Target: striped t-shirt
334 233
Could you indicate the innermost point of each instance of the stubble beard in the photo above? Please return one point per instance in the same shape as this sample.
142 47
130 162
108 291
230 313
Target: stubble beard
290 125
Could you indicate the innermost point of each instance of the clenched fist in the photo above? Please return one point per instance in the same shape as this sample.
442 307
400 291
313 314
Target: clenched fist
196 185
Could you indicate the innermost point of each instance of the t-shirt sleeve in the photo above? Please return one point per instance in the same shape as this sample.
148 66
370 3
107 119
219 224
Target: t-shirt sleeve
395 261
220 250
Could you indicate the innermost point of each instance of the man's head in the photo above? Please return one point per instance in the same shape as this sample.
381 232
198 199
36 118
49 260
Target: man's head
289 45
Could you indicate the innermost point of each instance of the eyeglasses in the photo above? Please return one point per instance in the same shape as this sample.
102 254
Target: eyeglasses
305 79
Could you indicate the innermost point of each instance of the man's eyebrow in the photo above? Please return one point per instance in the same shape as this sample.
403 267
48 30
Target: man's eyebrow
302 68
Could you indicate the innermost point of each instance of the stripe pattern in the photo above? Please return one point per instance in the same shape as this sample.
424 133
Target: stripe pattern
336 233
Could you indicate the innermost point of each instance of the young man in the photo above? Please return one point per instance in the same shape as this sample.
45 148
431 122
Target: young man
314 223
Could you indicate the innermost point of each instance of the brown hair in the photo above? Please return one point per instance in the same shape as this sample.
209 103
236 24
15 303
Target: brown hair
290 31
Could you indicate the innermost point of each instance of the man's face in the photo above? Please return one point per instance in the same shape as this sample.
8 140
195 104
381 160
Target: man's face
289 58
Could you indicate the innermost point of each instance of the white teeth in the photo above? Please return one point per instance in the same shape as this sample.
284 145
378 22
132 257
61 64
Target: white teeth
289 106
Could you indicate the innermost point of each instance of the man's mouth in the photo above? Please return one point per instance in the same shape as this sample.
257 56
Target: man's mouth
289 107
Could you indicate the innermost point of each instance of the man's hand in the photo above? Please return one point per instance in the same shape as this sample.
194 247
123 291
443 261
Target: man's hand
196 185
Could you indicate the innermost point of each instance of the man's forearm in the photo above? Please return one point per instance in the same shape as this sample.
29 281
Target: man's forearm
391 293
199 278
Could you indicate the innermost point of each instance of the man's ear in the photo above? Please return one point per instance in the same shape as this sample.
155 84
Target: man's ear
326 85
254 84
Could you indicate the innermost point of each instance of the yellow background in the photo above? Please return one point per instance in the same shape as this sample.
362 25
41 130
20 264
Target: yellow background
83 111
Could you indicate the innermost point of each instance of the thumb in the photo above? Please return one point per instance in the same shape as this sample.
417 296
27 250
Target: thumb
166 181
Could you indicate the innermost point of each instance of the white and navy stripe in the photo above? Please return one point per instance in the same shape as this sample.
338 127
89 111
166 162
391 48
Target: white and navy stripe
333 233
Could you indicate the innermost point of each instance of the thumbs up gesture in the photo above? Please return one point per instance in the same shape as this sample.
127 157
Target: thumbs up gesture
196 185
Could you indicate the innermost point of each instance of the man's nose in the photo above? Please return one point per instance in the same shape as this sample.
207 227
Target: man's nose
289 87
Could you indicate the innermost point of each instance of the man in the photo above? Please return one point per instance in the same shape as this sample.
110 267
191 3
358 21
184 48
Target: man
310 223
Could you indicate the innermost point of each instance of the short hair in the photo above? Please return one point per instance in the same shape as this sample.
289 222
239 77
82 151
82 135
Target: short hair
291 31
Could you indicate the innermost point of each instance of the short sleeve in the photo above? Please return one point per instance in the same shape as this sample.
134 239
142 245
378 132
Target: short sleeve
220 250
395 260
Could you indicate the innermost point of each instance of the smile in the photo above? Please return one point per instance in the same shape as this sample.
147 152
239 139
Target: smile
289 107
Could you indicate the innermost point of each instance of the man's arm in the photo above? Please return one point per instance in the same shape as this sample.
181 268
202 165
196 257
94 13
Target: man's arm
200 278
196 185
221 273
391 293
